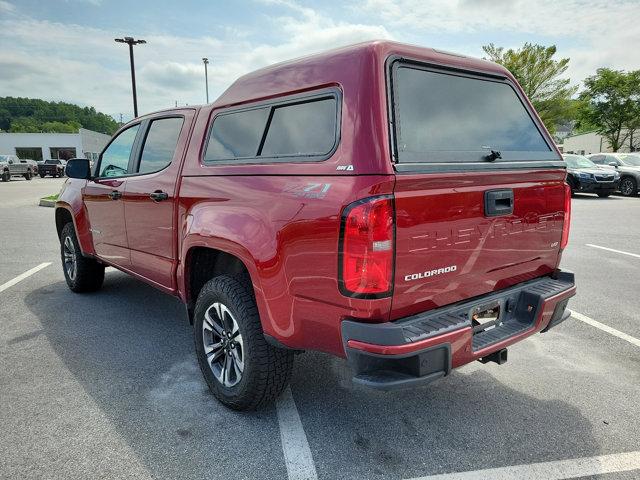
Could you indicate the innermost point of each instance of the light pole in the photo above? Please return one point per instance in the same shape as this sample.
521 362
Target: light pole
131 42
206 77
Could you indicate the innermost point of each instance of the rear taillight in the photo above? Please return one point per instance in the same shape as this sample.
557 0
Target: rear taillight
567 217
366 248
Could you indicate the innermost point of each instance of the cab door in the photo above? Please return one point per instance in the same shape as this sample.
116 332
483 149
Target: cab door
150 198
103 198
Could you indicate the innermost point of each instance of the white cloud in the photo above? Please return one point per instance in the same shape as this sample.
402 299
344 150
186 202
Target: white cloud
6 6
603 32
84 65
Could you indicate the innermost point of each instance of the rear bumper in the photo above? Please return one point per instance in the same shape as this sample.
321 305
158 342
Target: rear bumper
425 347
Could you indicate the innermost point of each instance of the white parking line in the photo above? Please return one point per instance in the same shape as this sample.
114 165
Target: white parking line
558 470
605 328
297 454
613 250
22 276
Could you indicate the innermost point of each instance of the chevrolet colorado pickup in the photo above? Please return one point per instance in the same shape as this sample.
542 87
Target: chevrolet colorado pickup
397 206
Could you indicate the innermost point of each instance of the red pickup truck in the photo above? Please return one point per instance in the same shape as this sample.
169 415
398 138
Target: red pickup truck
398 206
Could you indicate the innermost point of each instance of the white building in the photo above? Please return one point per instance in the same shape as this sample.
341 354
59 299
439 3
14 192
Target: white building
592 142
42 146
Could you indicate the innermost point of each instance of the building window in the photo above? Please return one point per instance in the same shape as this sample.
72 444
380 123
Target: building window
29 153
62 153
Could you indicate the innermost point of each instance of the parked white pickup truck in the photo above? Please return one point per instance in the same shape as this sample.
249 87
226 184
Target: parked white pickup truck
12 166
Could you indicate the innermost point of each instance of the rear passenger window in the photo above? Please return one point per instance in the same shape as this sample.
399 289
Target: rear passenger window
305 129
236 135
160 144
444 118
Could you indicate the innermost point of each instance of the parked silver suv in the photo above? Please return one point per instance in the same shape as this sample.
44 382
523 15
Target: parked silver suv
12 166
627 164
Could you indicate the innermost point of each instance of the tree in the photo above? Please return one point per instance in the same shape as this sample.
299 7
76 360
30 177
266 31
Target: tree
35 115
611 103
539 76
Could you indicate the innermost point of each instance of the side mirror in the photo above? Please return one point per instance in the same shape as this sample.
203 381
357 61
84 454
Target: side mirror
78 168
613 164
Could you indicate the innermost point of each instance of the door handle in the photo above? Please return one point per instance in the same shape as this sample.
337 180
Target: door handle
115 195
158 196
498 202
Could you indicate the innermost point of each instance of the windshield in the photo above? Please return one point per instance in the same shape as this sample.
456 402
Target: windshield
578 161
631 160
4 158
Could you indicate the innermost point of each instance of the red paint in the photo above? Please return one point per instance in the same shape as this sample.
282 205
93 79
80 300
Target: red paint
288 243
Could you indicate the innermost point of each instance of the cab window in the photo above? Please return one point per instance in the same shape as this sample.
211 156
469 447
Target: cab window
160 144
115 159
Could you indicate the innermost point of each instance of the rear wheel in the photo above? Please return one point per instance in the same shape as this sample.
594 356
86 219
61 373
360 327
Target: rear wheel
242 370
628 186
81 273
28 175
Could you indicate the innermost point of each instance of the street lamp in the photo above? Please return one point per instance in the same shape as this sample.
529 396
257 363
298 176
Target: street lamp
206 77
131 42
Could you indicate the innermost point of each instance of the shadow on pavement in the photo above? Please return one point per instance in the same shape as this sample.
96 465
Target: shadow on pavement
463 422
131 348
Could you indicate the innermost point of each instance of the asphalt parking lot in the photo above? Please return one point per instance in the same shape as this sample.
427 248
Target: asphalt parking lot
106 385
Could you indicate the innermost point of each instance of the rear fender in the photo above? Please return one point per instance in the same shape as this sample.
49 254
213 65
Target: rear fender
248 237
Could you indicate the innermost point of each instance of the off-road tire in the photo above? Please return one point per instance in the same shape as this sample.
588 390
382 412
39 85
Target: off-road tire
6 176
89 273
629 192
42 175
267 369
28 175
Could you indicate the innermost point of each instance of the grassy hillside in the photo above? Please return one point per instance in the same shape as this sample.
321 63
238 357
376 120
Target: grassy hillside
34 115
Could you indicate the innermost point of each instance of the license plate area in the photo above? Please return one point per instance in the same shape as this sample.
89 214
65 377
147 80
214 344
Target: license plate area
486 316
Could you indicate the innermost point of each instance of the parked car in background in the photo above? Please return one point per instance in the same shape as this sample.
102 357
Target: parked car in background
52 167
626 164
290 215
584 176
12 166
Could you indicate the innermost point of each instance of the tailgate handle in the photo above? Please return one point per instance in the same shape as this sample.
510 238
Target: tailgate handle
498 202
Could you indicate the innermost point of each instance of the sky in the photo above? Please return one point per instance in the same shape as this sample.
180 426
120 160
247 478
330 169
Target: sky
64 50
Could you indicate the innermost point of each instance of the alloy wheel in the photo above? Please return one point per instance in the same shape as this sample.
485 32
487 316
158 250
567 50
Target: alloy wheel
70 261
223 345
626 187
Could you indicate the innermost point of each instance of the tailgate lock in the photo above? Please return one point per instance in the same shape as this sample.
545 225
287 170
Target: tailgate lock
498 202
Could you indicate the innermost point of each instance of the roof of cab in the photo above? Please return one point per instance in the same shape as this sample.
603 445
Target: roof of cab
336 66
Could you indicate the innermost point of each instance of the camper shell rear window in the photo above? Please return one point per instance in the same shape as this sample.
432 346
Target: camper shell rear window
447 118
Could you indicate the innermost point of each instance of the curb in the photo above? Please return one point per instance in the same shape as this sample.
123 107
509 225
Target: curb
47 203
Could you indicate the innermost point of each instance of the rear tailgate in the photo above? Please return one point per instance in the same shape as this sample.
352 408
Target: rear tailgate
447 250
479 193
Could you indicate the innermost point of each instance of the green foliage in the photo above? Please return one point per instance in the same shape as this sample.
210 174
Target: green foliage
34 115
539 76
611 103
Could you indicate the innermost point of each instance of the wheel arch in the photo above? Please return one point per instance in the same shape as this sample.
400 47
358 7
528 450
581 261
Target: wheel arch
65 213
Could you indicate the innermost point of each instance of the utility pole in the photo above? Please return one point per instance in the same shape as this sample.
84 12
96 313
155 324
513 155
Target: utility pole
206 77
131 42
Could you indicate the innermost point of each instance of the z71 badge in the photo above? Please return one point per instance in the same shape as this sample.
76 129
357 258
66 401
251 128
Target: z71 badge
308 190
